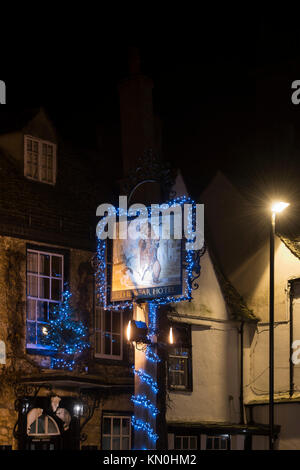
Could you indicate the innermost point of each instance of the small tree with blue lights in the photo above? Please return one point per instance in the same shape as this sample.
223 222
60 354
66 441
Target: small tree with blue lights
64 335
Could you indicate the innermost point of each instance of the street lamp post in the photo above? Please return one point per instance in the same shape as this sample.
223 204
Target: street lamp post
276 208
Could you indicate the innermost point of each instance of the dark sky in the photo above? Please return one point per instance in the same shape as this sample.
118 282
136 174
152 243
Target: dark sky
223 94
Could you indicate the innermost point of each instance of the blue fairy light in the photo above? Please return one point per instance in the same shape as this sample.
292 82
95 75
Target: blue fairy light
65 336
144 402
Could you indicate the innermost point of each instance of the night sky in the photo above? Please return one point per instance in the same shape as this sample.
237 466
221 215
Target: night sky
224 96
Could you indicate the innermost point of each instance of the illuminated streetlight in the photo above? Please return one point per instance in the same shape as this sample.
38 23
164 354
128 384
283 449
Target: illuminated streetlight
276 208
279 206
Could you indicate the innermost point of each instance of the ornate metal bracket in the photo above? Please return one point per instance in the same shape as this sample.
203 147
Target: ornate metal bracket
25 393
91 402
150 168
196 270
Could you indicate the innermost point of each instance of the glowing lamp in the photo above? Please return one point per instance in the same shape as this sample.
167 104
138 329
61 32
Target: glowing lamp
279 206
137 331
171 337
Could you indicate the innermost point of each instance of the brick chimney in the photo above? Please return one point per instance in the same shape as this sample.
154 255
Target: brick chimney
136 110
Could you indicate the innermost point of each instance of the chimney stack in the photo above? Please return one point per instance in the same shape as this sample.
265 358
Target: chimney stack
136 111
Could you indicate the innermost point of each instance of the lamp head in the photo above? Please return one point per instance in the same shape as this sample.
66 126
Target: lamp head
279 206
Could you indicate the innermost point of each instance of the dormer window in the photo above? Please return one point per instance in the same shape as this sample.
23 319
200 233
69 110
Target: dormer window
39 160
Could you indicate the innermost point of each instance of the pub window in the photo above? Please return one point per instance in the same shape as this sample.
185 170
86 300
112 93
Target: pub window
180 360
39 160
221 442
186 442
44 289
108 333
116 432
44 425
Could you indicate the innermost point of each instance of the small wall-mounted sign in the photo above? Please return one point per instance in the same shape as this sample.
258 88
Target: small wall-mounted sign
2 352
2 92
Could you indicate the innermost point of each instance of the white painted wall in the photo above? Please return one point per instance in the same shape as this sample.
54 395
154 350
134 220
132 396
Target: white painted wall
215 356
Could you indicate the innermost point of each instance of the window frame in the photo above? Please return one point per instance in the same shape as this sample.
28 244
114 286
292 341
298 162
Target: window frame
186 345
121 416
100 331
44 434
227 437
44 250
40 143
186 436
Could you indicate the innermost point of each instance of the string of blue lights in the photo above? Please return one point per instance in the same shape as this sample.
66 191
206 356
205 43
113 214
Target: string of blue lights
188 264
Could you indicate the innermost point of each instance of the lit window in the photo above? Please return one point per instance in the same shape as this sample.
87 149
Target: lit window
179 362
218 442
44 425
108 333
116 433
186 442
39 160
44 290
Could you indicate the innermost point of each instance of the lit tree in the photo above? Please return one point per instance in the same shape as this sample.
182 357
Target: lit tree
64 335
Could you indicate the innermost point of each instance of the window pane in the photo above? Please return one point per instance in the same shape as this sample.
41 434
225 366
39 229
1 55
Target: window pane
216 443
31 309
116 443
125 443
223 443
56 289
32 286
106 426
185 442
116 426
51 427
107 325
44 288
56 266
41 425
42 311
116 345
98 343
32 262
116 322
107 343
106 443
125 426
31 333
41 333
193 443
209 443
45 265
177 443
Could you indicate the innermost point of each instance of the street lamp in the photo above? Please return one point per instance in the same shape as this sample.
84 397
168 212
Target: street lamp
276 208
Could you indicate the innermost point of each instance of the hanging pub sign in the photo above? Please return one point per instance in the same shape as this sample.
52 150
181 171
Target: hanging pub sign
145 265
2 352
148 253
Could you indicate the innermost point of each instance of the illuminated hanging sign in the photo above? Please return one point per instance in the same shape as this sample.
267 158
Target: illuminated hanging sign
148 253
145 266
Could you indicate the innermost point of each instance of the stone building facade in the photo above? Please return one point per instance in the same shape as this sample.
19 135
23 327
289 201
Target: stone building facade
47 240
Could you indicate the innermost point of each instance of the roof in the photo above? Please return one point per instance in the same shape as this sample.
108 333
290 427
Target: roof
64 213
14 120
235 302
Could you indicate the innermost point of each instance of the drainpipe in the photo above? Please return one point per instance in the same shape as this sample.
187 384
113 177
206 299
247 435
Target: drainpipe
241 331
291 295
